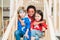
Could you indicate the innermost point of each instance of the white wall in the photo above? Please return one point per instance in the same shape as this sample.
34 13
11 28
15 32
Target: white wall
0 17
0 3
6 3
6 13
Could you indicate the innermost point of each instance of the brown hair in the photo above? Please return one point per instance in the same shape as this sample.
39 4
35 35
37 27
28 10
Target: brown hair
20 8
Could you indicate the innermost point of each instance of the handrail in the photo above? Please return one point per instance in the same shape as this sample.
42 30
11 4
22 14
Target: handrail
6 34
49 20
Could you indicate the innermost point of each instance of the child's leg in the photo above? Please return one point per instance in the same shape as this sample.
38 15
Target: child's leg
32 38
24 38
37 37
39 33
29 36
33 34
17 34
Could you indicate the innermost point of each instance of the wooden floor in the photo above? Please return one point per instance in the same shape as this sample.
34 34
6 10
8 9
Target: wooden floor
46 37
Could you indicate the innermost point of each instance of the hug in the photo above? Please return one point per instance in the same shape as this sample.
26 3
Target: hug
31 25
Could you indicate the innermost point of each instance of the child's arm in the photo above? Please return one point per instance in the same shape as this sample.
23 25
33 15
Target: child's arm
44 25
32 25
44 21
22 22
28 26
26 34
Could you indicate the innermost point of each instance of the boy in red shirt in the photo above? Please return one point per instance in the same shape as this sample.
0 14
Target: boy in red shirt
36 30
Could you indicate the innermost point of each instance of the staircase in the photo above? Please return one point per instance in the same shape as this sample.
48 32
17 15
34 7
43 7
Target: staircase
49 34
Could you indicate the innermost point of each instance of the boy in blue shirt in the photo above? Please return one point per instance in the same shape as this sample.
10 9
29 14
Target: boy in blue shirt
23 26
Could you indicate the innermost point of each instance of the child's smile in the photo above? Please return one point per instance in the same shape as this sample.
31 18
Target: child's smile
37 17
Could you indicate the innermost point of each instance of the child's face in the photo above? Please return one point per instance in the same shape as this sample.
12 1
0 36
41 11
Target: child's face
22 15
31 12
37 17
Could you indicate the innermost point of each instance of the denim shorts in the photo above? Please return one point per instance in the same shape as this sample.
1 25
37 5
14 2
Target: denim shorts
35 33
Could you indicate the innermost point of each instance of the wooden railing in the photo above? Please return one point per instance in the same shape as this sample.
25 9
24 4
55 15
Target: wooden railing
50 34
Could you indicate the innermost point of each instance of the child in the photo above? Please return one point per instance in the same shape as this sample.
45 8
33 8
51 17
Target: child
36 30
23 26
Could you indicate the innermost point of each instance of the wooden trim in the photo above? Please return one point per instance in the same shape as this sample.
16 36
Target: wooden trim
6 17
6 9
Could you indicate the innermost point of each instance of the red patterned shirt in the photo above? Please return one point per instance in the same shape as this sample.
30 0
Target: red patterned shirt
39 26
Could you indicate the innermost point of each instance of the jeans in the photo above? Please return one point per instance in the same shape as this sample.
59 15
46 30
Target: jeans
36 33
18 34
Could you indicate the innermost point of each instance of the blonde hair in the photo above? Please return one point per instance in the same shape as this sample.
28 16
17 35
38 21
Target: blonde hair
19 9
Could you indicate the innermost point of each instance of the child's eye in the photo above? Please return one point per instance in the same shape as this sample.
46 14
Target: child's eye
37 16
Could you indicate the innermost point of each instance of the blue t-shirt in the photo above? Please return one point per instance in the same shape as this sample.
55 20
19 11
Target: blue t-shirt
27 24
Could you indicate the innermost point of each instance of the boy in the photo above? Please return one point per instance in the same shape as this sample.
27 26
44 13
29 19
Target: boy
23 26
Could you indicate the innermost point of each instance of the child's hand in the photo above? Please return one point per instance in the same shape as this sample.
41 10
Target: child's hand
26 35
22 23
35 23
43 29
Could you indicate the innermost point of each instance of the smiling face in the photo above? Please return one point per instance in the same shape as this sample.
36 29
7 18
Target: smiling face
31 12
22 13
37 17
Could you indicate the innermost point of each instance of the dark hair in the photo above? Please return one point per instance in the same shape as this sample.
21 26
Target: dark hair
31 6
40 13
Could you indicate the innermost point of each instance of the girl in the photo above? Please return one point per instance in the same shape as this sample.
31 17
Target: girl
36 30
23 26
31 10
